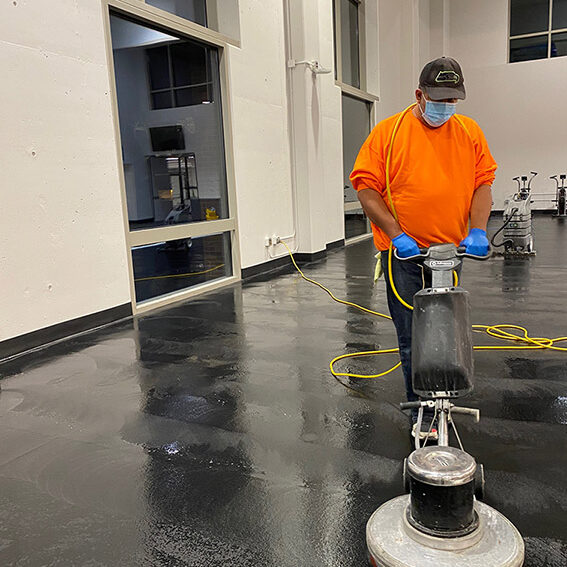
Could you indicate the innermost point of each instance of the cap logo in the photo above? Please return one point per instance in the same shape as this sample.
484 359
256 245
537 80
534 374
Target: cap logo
447 77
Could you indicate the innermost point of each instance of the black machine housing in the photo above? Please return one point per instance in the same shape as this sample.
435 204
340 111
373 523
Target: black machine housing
442 344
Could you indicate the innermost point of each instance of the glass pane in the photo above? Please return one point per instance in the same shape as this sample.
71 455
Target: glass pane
356 224
559 44
161 100
166 267
174 158
356 128
158 68
528 48
189 63
350 57
192 95
219 15
529 16
193 10
559 20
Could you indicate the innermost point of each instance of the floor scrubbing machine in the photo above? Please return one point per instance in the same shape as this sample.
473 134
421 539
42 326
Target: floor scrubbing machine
442 522
560 195
517 227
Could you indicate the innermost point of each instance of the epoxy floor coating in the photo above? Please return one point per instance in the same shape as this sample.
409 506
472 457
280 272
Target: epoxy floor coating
212 433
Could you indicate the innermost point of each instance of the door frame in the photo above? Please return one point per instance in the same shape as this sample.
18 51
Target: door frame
369 99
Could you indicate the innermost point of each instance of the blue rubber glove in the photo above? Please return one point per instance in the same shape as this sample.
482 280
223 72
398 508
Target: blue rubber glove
476 242
405 245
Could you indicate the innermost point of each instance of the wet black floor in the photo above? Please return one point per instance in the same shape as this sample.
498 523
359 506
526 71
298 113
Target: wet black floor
211 433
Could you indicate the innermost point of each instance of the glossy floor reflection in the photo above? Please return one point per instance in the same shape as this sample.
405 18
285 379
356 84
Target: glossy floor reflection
211 433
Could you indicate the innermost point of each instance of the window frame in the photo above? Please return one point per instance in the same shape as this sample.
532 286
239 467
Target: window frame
350 206
548 34
337 36
144 14
354 92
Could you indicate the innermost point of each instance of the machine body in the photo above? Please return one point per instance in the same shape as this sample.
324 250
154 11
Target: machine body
560 195
518 229
441 522
442 339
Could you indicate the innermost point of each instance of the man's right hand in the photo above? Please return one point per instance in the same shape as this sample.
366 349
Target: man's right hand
405 245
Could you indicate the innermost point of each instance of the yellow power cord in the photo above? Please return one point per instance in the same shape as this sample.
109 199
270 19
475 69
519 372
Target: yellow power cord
496 331
179 275
500 331
365 310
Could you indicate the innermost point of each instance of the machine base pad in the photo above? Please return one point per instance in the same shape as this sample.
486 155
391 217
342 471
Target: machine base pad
391 542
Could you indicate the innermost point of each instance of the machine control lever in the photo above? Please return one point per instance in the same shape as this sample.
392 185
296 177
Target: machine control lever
467 411
472 412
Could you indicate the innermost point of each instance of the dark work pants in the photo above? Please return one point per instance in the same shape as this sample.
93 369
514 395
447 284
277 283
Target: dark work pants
408 279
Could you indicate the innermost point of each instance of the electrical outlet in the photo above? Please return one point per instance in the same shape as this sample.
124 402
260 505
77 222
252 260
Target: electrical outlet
275 239
267 241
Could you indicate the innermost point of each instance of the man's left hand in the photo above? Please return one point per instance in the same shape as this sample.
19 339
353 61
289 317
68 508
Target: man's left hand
476 242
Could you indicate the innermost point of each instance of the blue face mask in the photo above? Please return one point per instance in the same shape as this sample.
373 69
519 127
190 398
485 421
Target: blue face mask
437 113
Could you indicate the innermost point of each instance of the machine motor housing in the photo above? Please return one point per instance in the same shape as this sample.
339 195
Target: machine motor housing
518 232
442 345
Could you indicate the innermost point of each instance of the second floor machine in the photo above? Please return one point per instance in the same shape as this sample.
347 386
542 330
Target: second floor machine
560 195
518 237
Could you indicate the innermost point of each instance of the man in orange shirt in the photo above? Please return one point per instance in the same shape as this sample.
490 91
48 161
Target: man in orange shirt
424 176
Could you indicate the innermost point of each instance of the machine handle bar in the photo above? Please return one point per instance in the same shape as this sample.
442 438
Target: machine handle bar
472 412
424 254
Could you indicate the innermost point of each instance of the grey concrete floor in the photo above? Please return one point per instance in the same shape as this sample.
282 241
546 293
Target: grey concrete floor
212 433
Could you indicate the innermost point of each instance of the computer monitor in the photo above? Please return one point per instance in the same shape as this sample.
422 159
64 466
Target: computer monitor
167 138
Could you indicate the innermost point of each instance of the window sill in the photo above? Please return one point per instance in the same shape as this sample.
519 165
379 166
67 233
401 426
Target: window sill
350 90
153 15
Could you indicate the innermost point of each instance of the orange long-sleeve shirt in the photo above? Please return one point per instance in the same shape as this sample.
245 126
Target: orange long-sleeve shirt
434 173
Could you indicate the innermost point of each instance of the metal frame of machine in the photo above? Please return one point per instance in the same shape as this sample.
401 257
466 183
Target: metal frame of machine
560 195
517 228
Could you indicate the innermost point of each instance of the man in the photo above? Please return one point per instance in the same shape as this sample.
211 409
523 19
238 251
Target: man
440 171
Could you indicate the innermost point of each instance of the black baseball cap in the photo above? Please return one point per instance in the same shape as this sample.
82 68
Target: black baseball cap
442 78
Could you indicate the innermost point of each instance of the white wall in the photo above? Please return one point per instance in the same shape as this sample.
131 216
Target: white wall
520 106
437 29
261 130
329 218
398 69
411 33
62 243
224 17
261 149
318 131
